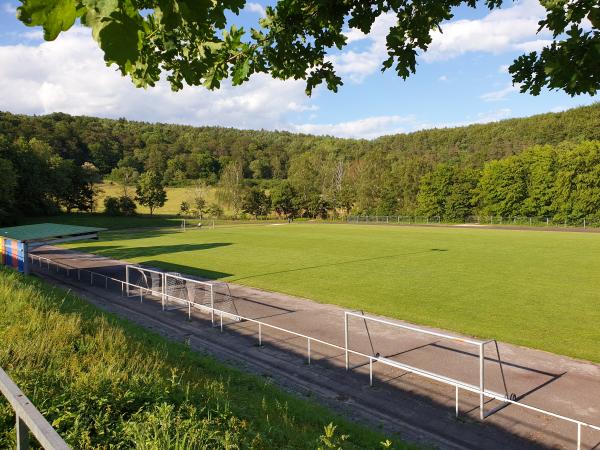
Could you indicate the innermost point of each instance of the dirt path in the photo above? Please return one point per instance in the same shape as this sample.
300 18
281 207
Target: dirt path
419 409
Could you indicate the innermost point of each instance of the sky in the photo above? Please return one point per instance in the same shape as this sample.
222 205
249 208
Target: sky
462 79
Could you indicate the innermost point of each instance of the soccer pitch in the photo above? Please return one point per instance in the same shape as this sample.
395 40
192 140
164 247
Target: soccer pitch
532 288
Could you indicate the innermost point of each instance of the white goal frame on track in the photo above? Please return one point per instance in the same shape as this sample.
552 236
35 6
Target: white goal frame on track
479 344
163 293
190 302
141 269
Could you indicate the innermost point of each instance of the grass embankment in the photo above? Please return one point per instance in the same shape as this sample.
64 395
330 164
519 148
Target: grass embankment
532 288
105 383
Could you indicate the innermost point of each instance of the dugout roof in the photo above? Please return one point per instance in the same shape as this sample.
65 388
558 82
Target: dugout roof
45 232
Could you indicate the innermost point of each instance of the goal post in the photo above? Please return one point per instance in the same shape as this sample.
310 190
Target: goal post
479 345
144 281
213 297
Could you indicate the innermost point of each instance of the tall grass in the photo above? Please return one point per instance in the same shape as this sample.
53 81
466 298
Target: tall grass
105 383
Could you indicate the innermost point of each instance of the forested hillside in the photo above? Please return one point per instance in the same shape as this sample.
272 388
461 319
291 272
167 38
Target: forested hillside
53 162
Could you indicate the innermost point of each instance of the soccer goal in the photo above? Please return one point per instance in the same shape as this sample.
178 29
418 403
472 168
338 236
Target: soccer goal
423 356
209 296
141 281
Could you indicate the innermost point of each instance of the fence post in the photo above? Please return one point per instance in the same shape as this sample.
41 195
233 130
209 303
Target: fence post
308 348
22 435
370 371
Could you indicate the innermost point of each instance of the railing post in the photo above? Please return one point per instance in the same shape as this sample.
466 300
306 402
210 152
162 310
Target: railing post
212 305
163 291
22 435
579 436
371 372
346 337
456 401
221 321
481 379
308 349
259 334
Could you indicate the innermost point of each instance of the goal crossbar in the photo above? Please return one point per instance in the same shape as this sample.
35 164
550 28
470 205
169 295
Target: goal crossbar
479 344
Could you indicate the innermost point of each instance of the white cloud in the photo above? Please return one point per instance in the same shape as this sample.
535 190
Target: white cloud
256 8
34 35
9 8
532 46
368 128
358 64
443 78
501 30
69 75
508 29
501 94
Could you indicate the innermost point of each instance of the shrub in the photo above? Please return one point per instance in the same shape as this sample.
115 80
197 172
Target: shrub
127 206
112 206
121 206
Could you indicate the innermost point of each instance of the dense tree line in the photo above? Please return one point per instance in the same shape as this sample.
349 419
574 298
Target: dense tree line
50 162
561 182
36 180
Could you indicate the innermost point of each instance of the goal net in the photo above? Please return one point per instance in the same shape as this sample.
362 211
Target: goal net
141 281
210 296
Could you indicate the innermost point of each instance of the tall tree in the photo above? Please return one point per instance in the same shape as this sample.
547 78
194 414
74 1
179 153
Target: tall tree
230 187
578 181
282 199
126 176
503 187
150 191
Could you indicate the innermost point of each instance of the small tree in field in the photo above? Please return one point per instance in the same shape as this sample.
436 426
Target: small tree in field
184 208
150 191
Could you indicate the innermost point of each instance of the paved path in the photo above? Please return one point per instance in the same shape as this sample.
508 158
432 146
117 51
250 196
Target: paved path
421 410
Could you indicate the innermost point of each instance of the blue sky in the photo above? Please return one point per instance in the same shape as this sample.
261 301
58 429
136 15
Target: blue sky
461 80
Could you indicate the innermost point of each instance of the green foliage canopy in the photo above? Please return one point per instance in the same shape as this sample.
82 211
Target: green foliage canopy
194 43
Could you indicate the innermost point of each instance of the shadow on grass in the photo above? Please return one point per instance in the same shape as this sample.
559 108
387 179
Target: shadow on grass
128 252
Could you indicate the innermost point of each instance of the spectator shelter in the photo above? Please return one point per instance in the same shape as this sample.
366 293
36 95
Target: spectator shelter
15 242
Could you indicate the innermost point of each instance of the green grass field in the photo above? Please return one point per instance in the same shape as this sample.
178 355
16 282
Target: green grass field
532 288
103 383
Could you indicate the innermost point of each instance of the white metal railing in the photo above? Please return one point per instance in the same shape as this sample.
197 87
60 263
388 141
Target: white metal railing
480 390
29 419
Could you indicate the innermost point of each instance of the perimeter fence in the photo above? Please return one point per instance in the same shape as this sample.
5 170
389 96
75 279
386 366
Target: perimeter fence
585 223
